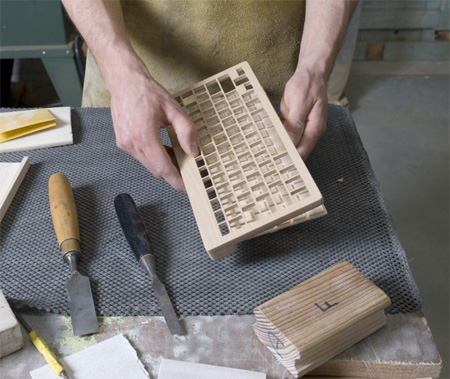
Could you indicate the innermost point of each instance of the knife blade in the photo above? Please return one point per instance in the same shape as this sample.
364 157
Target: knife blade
65 222
136 234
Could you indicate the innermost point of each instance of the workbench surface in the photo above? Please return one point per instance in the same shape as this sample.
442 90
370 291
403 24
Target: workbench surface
357 229
403 348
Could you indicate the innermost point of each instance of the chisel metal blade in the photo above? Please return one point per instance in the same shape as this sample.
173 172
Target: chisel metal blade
166 307
136 233
81 305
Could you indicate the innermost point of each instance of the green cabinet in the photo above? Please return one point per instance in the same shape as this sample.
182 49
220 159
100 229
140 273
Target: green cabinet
34 22
42 29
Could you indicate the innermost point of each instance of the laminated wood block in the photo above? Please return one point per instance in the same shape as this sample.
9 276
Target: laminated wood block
321 317
11 338
11 175
248 178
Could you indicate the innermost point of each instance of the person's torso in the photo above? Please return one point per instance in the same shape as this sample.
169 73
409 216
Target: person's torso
185 41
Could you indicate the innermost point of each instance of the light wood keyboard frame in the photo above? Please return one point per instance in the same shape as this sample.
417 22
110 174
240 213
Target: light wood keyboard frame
248 178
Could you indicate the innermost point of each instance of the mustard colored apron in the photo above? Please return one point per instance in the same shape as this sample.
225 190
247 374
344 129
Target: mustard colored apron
185 41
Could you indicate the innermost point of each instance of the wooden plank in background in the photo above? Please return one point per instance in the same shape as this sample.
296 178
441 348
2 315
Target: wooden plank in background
404 51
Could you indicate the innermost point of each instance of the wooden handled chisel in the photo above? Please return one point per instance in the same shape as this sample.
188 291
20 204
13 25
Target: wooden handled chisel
65 222
136 233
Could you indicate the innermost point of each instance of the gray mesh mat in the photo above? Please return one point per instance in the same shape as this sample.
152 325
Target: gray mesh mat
357 228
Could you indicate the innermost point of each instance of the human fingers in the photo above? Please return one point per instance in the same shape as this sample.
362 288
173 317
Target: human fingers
154 157
293 119
314 129
140 137
184 129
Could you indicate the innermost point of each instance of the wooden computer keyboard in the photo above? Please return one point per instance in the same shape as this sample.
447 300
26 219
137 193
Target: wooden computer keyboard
248 178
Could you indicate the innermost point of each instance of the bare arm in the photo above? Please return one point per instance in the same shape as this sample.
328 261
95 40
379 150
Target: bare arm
139 105
304 103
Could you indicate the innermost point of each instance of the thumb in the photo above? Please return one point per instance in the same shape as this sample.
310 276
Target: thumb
294 129
293 122
186 133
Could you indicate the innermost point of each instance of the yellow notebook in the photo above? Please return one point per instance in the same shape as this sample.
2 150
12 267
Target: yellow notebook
18 124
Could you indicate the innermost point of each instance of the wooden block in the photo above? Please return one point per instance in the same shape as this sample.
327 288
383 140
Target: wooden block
243 145
11 338
375 51
58 135
170 369
321 317
11 175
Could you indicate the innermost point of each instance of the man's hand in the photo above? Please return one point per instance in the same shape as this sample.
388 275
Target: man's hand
304 110
140 107
304 103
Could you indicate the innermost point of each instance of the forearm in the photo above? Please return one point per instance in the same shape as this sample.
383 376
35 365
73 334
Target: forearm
101 24
140 107
326 22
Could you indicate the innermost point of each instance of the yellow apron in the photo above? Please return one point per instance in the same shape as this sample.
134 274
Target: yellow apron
185 41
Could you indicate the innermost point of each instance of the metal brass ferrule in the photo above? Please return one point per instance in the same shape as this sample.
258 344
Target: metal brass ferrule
144 256
68 245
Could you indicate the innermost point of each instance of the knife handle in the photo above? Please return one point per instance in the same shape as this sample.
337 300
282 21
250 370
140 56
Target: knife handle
133 226
64 213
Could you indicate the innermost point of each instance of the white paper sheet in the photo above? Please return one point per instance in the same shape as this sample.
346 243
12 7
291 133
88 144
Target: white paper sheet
171 369
114 358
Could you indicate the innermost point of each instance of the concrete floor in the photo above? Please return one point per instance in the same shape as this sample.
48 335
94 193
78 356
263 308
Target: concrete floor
402 113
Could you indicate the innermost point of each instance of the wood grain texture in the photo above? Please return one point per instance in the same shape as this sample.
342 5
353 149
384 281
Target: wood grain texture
403 348
11 175
248 178
314 321
64 213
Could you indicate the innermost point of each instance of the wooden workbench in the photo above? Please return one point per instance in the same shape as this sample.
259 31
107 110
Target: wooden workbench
403 348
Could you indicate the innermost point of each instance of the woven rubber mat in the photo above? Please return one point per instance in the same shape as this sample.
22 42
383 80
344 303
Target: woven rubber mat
357 229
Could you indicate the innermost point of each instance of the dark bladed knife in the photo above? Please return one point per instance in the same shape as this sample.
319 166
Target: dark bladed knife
136 233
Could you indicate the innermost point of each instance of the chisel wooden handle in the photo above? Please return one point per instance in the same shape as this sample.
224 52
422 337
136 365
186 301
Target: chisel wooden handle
64 213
